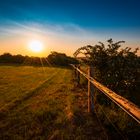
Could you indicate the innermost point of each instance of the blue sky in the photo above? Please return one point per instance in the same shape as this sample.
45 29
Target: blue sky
95 20
87 13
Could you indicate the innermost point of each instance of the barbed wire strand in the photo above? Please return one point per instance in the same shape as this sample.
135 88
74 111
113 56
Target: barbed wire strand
109 120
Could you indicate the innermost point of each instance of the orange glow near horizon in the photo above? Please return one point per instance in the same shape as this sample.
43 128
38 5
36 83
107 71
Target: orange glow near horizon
36 45
19 40
21 46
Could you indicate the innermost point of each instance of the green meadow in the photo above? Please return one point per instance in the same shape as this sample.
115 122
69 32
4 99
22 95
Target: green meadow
43 103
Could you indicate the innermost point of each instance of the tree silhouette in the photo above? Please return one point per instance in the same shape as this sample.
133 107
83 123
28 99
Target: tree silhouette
118 69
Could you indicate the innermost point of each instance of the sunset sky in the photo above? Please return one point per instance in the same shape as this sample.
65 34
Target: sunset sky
65 25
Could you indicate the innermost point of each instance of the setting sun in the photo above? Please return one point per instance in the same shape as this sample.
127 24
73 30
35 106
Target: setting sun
36 46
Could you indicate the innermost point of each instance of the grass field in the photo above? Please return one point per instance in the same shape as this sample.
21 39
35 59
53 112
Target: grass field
42 103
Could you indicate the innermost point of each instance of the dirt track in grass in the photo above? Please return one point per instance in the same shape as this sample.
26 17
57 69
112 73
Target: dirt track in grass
54 109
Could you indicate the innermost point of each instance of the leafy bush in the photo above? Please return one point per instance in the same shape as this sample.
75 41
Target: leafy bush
61 59
119 69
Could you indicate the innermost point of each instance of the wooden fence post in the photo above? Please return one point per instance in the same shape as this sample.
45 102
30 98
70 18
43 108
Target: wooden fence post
78 76
90 91
75 72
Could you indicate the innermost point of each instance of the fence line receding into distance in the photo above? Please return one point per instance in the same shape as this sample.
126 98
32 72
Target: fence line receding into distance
129 107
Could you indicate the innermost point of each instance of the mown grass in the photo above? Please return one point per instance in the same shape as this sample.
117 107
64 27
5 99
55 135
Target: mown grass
17 82
38 105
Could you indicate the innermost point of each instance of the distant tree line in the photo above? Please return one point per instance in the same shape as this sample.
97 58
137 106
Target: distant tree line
54 59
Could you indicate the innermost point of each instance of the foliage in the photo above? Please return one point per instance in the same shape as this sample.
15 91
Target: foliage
55 58
118 69
61 59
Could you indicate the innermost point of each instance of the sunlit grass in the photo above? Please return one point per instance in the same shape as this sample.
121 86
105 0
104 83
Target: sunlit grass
43 105
16 82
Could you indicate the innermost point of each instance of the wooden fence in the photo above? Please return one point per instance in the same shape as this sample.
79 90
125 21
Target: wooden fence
130 108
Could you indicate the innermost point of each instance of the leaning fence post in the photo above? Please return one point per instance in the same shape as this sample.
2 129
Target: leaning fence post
90 90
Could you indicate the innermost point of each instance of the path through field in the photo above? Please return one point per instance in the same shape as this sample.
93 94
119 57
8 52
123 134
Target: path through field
53 109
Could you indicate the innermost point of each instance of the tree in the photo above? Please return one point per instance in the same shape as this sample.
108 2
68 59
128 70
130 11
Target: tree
6 58
60 59
118 69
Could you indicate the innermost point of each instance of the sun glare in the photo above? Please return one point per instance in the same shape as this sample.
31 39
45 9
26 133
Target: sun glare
36 46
